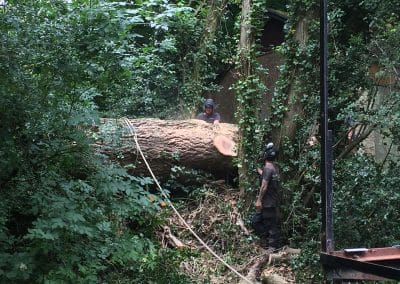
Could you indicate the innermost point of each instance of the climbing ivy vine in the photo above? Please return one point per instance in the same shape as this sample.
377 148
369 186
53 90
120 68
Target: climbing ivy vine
249 90
353 92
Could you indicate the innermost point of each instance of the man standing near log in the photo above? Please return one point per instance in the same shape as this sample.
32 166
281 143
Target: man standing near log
267 200
209 115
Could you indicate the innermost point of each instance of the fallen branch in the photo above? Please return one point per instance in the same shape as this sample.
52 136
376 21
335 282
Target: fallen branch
239 220
361 137
255 269
285 254
273 279
172 240
266 259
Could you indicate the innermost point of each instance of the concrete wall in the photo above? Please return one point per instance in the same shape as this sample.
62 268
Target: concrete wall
272 35
225 98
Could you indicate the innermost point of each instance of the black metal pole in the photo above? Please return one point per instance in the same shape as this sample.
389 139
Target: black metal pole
326 136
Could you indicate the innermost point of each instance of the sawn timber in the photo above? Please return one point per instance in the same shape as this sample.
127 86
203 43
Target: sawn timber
189 144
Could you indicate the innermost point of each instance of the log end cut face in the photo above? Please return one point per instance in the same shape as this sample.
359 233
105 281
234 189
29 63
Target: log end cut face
225 145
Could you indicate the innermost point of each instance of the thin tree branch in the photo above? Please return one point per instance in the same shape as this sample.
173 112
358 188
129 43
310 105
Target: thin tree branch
361 137
387 154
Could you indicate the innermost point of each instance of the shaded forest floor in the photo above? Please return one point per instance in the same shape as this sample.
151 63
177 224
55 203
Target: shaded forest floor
213 214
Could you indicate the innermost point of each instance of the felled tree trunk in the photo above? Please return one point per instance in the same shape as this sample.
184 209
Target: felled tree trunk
193 144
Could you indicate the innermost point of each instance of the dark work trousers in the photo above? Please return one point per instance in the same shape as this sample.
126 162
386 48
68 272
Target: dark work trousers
271 232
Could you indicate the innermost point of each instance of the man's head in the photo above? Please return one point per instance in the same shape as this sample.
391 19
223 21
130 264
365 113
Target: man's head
209 106
270 152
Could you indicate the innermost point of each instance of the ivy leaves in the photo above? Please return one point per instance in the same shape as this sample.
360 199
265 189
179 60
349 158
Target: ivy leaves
361 68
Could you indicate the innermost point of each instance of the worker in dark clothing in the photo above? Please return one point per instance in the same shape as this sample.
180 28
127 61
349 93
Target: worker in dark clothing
268 201
209 115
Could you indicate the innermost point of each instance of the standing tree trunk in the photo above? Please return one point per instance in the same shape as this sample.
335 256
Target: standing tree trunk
289 124
215 10
244 69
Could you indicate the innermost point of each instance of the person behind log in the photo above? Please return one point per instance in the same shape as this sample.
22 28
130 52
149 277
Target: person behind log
267 200
209 115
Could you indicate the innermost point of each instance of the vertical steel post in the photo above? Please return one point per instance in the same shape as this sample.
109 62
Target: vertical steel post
326 136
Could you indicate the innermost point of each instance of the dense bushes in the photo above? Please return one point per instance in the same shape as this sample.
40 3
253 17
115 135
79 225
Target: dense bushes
64 209
362 182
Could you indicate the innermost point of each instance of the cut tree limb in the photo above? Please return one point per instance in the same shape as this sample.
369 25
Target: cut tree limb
255 268
173 241
238 218
273 279
266 259
192 144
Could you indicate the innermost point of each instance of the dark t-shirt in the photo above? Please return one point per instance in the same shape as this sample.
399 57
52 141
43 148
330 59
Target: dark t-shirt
209 118
270 198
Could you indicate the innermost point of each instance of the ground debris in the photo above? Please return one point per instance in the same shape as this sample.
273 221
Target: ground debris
215 218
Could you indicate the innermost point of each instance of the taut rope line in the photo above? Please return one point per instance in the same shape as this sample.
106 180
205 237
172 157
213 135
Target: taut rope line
133 132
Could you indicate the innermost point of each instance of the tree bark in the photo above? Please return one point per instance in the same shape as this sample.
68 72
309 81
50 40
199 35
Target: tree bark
293 101
168 143
245 70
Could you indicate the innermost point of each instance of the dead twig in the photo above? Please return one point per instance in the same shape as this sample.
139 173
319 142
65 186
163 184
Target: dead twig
171 239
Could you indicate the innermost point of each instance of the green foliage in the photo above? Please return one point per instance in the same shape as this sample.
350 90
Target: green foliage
153 266
360 182
249 90
138 56
210 210
184 180
368 193
141 56
307 266
67 215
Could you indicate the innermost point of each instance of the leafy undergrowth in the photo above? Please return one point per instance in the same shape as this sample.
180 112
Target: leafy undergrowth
213 213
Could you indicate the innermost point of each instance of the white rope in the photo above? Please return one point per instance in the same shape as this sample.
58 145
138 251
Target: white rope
131 129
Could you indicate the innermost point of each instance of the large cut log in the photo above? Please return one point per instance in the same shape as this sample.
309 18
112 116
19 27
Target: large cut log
192 144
